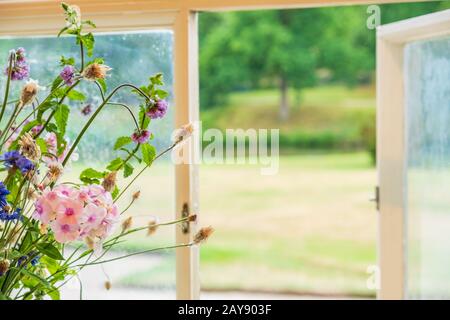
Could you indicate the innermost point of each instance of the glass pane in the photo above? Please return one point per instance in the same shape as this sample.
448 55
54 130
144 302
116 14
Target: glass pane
427 72
133 57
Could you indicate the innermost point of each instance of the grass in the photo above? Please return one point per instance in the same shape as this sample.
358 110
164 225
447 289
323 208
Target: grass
331 117
309 229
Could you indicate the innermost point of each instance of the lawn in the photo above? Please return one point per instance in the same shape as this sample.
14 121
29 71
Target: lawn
310 229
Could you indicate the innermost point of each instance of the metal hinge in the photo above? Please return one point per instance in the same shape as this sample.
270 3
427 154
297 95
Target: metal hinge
377 198
185 214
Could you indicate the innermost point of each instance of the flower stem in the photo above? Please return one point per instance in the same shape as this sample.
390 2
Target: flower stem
8 81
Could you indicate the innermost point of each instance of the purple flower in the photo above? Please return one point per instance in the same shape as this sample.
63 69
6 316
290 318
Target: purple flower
37 129
20 54
67 74
158 109
20 69
87 109
140 137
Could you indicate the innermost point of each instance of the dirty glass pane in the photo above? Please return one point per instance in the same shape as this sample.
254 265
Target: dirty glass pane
133 57
427 74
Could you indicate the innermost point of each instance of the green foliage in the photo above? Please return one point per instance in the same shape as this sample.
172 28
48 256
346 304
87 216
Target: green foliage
305 47
148 153
122 141
61 118
90 176
49 250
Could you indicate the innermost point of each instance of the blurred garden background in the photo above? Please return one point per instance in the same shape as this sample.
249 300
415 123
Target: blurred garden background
310 229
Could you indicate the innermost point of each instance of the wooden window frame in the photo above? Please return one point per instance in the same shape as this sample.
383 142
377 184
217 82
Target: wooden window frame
42 17
391 149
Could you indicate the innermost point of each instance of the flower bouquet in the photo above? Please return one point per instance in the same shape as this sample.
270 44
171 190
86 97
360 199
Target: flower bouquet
40 216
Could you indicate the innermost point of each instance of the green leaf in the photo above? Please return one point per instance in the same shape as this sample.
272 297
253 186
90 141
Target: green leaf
49 250
66 61
90 23
115 164
76 95
162 93
51 127
115 192
56 83
148 153
42 144
143 119
102 83
157 79
127 170
90 176
122 141
88 41
92 173
51 264
61 118
44 107
54 294
36 277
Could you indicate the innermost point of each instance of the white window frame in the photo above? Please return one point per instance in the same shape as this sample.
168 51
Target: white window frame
42 17
391 151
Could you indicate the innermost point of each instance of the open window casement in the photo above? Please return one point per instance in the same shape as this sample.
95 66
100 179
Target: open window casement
413 145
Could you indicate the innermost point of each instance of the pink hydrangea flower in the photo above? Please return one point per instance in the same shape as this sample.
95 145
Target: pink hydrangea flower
74 214
65 232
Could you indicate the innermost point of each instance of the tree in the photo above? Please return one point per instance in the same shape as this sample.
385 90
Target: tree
290 48
279 47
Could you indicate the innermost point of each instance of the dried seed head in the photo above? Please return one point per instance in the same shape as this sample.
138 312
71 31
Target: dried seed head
29 92
203 234
55 170
126 224
95 71
90 243
108 285
43 228
192 218
136 195
183 133
152 227
109 182
4 266
28 147
32 194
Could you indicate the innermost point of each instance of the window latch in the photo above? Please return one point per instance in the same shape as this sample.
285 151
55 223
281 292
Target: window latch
376 199
185 214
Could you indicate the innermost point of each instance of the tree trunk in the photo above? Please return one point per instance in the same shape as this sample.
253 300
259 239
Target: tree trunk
284 103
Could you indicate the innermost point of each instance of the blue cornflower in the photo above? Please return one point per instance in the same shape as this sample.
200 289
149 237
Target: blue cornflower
15 159
35 260
21 260
6 216
10 158
24 165
3 193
